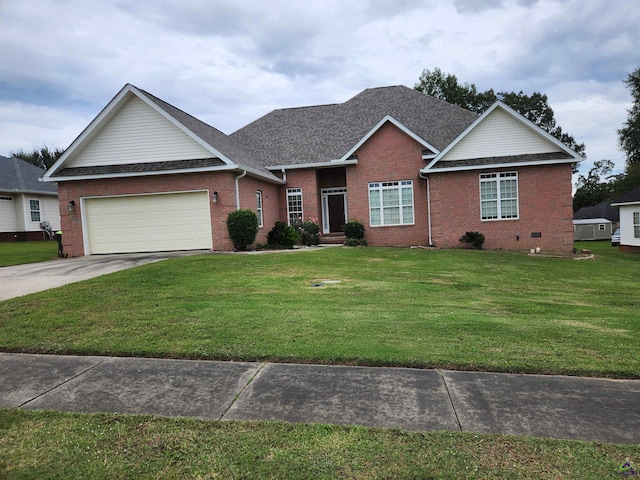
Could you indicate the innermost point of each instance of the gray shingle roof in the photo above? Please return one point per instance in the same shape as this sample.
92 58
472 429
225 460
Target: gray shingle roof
214 137
480 162
632 196
601 210
16 175
327 132
139 167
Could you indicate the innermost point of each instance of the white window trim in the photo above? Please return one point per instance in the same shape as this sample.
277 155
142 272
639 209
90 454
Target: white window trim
392 185
259 208
294 192
495 177
635 218
32 211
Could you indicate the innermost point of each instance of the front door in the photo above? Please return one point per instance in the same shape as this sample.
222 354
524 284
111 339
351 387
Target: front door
336 213
334 209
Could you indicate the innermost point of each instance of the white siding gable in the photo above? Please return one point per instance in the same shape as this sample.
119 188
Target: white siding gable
498 135
138 134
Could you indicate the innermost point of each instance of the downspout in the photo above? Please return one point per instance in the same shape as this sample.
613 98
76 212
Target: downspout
284 174
238 189
426 177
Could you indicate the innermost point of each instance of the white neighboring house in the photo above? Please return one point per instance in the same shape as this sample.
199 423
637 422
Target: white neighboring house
25 202
629 205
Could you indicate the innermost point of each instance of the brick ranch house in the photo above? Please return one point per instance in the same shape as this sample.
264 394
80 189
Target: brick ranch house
146 176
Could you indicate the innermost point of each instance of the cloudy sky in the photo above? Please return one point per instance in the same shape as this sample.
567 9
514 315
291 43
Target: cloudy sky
228 62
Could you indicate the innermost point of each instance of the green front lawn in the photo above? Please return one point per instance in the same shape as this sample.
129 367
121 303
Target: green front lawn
17 253
61 445
455 309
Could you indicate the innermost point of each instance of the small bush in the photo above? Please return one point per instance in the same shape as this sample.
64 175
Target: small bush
308 231
354 242
354 229
475 239
242 226
282 236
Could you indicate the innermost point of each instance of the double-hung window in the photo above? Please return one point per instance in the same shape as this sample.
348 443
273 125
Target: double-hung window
391 203
259 208
34 208
636 224
499 196
294 205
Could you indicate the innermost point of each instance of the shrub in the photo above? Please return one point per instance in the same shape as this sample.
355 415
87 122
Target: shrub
354 242
475 239
243 228
354 229
282 236
308 231
354 234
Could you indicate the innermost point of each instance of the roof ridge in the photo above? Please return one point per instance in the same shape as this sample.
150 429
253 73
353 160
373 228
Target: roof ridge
158 99
18 172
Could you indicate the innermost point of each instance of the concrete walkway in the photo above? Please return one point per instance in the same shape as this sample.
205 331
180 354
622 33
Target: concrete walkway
534 405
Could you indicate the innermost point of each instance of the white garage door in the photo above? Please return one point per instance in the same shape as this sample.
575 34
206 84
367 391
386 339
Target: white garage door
147 223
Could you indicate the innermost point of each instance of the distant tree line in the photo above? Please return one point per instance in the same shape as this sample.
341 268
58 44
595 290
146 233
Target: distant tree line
42 157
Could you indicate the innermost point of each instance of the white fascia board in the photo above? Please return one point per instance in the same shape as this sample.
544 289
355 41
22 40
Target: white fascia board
587 221
634 202
332 163
80 139
221 168
114 104
29 192
389 118
515 115
533 163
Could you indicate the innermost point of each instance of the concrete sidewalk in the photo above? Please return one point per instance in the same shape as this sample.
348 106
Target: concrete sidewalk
543 406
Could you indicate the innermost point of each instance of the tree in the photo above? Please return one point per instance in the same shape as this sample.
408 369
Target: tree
629 134
42 157
596 186
534 107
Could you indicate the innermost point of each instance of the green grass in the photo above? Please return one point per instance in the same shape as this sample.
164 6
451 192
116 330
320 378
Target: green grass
17 253
62 445
456 309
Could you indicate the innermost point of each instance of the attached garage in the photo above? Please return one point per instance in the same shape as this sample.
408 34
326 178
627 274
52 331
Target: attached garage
147 223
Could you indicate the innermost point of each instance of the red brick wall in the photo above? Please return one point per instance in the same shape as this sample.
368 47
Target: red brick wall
306 180
270 206
222 182
545 202
389 155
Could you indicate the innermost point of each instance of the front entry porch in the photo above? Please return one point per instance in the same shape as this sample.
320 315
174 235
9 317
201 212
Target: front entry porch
334 210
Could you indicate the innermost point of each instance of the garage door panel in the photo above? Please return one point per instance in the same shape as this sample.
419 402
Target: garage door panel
163 222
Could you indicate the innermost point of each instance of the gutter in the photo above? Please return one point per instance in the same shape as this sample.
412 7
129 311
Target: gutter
244 173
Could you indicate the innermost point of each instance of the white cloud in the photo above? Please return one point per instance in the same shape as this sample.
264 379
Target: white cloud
228 63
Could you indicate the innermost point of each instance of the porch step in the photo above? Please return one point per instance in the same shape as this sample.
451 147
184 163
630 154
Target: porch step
332 238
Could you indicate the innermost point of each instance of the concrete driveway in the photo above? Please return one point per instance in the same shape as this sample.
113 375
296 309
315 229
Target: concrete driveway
19 280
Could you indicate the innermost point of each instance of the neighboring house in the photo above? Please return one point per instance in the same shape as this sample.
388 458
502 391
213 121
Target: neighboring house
414 170
629 205
25 202
597 222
